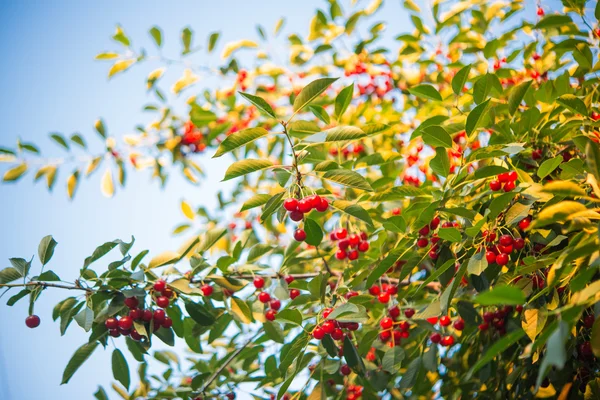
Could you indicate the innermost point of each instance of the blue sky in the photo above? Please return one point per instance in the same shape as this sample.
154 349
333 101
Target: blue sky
51 83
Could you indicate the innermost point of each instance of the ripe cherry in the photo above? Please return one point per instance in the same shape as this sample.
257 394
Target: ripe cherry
125 323
258 282
158 316
435 337
490 256
503 177
459 324
328 327
270 315
344 244
294 293
323 205
422 242
588 321
394 312
167 323
353 255
32 321
488 316
345 370
383 297
506 240
275 304
296 216
502 259
114 333
136 314
447 341
337 334
304 205
136 336
512 176
424 231
289 279
432 320
264 297
495 185
132 302
160 285
374 290
484 326
168 293
162 302
385 336
435 222
519 244
340 254
354 240
540 12
524 223
318 333
111 323
508 186
445 320
409 312
392 289
207 290
363 246
147 315
341 233
290 204
300 235
386 323
519 308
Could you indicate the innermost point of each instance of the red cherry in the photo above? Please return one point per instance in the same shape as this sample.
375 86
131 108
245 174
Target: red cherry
294 293
459 324
289 279
296 216
588 321
385 336
506 240
484 326
524 223
326 312
505 249
394 312
318 333
353 255
519 243
114 333
290 204
300 235
328 327
345 370
337 334
132 302
344 244
540 12
502 259
323 205
435 222
168 293
363 246
404 326
258 282
125 323
354 240
513 176
160 285
432 320
111 323
264 297
364 236
158 316
167 323
445 320
447 341
392 290
162 302
270 315
341 233
433 254
488 316
386 323
422 242
136 314
424 231
207 290
136 336
490 256
503 177
340 254
32 321
495 185
409 312
519 308
304 205
435 337
275 304
374 290
508 186
147 315
383 297
333 237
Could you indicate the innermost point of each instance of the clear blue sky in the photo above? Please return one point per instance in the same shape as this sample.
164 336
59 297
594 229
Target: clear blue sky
50 82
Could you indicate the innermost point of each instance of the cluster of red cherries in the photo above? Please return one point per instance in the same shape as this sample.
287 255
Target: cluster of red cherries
333 328
384 293
265 298
193 138
297 208
347 151
349 246
506 181
499 253
498 319
427 234
445 321
393 331
158 318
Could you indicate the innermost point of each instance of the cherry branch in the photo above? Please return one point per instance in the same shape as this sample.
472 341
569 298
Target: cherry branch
41 284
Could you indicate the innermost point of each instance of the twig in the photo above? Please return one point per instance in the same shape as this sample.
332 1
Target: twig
45 285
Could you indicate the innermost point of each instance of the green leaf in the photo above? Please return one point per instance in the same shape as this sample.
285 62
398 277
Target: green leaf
166 336
199 313
244 167
255 201
259 250
477 263
259 103
46 249
201 117
409 378
392 359
342 133
501 295
353 359
573 103
60 139
436 136
343 99
534 321
383 266
564 188
425 91
548 166
290 315
9 274
272 206
156 34
239 139
311 91
592 154
120 368
516 96
209 238
557 212
475 116
85 318
274 332
320 113
556 354
440 164
348 178
165 258
450 234
212 40
101 394
314 233
186 39
352 209
497 348
459 80
80 356
21 265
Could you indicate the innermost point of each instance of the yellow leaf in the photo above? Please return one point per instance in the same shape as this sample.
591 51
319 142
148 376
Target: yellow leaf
186 80
189 174
234 46
533 321
106 56
168 257
93 165
120 66
107 186
72 184
241 310
183 285
15 173
187 210
316 393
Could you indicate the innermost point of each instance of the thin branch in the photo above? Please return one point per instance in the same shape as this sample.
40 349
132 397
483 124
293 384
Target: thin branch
45 285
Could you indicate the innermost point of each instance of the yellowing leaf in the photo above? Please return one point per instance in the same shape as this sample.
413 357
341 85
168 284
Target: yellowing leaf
15 173
166 258
188 78
106 56
234 46
120 66
187 210
533 322
107 186
241 310
72 184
